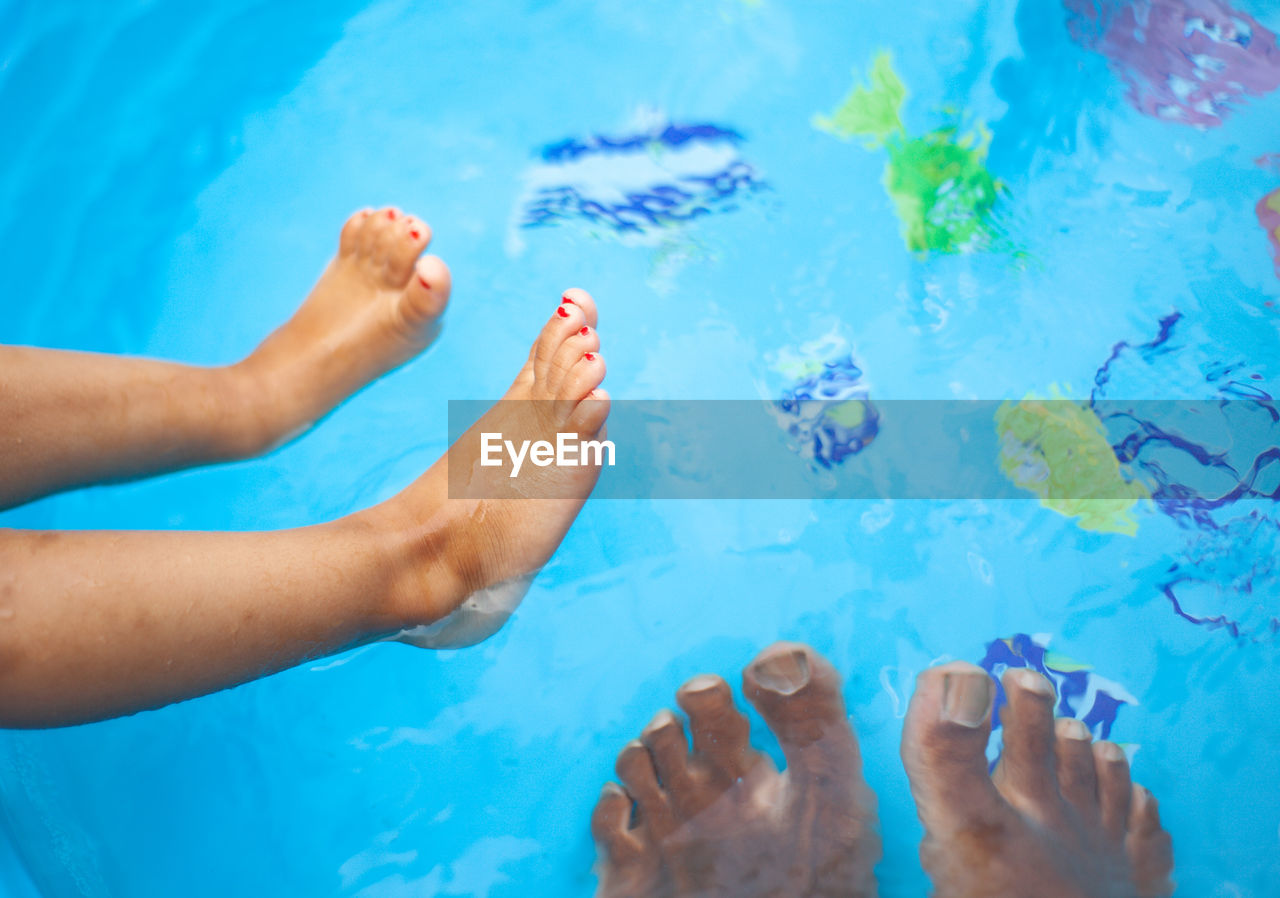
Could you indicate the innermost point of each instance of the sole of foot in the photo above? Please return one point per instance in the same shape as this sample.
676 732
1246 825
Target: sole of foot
715 817
1059 818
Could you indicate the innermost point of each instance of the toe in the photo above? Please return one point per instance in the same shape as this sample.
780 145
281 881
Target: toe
1114 787
589 417
579 382
426 294
406 242
664 738
576 296
611 826
628 862
1077 780
635 768
393 247
374 236
1149 847
944 744
566 321
585 339
797 691
349 242
721 732
1027 775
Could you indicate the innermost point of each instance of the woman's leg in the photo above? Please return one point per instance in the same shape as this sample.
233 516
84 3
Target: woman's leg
98 624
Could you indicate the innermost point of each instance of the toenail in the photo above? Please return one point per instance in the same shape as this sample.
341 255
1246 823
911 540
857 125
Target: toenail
391 213
585 330
1071 728
661 721
423 282
1110 751
566 299
1034 681
414 234
589 356
966 698
702 683
562 313
784 673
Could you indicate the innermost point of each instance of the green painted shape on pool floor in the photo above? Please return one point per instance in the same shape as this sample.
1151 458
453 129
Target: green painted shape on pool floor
941 189
1058 450
875 112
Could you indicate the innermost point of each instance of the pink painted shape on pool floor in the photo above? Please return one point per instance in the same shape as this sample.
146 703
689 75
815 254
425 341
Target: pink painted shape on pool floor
1189 63
1268 210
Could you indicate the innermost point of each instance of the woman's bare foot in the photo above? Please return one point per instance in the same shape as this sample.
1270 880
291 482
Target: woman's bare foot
376 306
467 562
721 820
1059 818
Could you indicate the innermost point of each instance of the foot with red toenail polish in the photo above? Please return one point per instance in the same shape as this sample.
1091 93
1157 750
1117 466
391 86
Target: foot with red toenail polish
464 563
1059 818
376 306
716 818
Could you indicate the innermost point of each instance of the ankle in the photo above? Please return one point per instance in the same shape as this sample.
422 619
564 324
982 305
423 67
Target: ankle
260 416
418 551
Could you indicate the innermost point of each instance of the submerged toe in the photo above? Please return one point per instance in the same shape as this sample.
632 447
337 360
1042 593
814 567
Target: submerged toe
635 768
944 745
1115 789
1149 846
629 863
1027 774
1077 780
798 693
721 733
664 738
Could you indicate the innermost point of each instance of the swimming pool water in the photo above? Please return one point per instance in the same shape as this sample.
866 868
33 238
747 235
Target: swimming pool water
174 178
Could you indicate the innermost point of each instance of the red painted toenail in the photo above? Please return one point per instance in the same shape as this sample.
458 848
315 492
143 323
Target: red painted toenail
562 313
391 213
585 330
414 234
589 356
565 299
423 282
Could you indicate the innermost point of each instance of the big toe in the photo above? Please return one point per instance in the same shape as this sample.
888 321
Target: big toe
425 297
797 691
944 743
576 296
566 367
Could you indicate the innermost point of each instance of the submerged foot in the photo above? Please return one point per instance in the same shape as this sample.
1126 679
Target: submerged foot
475 537
720 820
1058 819
376 306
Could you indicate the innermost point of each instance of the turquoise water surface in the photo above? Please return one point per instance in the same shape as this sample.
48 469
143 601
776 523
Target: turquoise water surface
174 178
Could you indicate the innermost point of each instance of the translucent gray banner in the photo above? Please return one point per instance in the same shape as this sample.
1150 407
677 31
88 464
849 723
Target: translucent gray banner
1064 452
